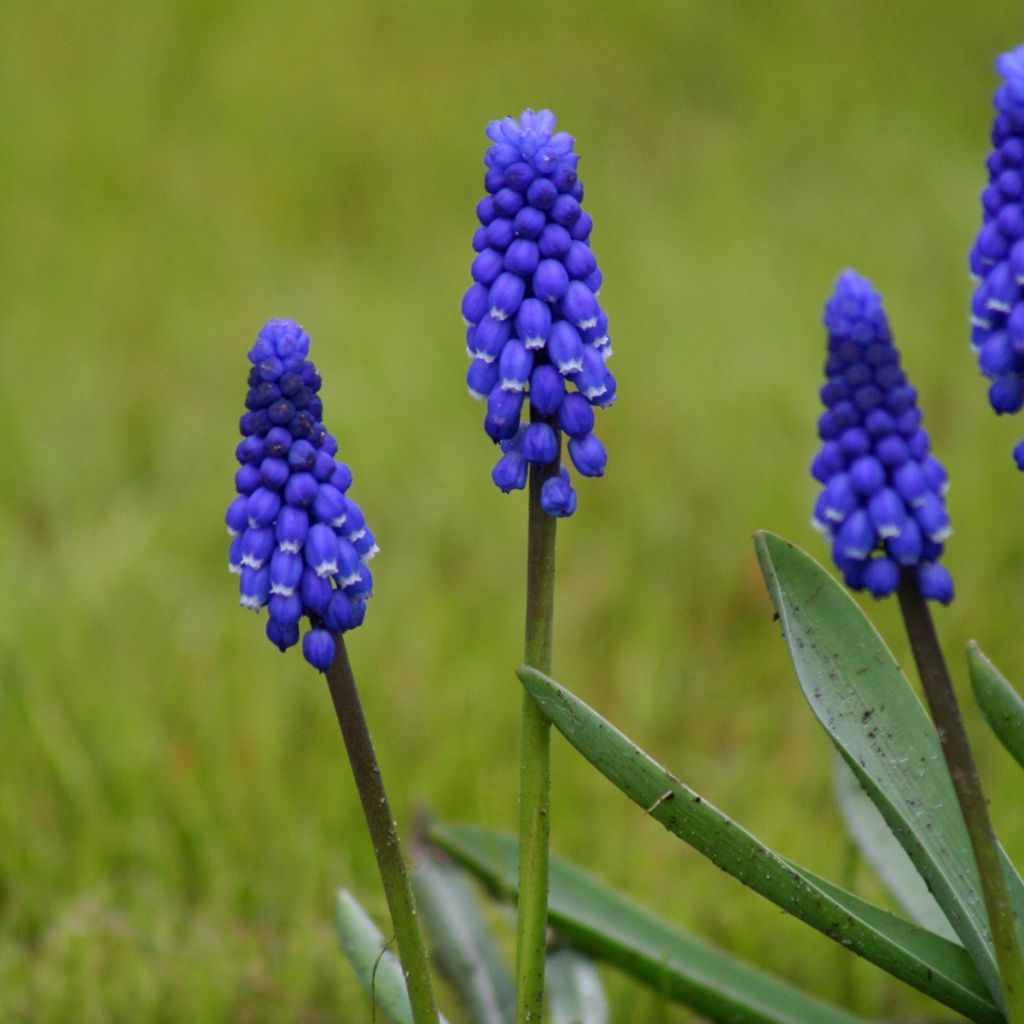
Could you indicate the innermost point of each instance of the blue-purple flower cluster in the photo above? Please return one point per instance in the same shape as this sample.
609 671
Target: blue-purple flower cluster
299 543
997 258
883 504
534 324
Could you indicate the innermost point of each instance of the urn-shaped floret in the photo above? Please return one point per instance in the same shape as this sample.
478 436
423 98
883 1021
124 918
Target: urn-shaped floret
299 542
997 257
882 503
536 333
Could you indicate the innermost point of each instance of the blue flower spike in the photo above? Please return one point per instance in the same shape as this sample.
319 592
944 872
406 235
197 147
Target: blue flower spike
997 257
536 334
882 503
299 543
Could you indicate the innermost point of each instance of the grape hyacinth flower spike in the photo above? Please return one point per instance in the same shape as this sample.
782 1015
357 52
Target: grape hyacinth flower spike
883 507
997 257
299 542
535 331
300 545
883 500
538 342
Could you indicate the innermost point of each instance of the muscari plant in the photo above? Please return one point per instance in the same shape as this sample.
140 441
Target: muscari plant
906 782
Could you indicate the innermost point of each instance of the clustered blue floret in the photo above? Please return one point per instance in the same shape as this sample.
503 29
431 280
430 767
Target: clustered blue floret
534 324
883 503
997 258
299 543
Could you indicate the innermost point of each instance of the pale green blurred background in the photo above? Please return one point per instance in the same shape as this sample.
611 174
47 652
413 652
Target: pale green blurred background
175 808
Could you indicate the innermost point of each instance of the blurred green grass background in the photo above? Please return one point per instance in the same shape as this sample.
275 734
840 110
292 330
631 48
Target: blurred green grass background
175 807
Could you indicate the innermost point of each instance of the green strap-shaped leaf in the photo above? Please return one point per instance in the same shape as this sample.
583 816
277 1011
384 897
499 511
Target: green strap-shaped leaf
999 701
574 990
599 921
463 947
376 967
928 962
876 842
876 722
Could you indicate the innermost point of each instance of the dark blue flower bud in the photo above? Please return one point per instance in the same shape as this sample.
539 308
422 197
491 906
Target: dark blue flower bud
365 545
503 409
881 576
506 295
318 649
354 522
565 347
329 505
935 583
285 572
522 257
341 477
592 379
247 479
565 210
349 564
489 337
580 263
321 550
580 307
481 377
515 366
250 449
254 587
274 473
588 455
882 501
510 472
547 390
542 194
550 280
342 613
291 529
554 242
362 585
533 323
301 489
557 497
235 555
236 517
324 467
576 417
539 444
529 222
314 591
281 635
475 304
286 609
487 266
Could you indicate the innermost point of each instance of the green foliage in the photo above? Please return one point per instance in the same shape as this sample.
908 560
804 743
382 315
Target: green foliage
876 842
175 810
377 968
1000 702
878 725
928 962
601 922
574 990
460 942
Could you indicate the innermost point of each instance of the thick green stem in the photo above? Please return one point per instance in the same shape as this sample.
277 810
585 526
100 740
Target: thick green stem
946 714
535 775
383 834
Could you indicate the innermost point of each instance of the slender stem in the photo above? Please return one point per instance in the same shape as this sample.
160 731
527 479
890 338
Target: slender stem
535 773
946 714
384 835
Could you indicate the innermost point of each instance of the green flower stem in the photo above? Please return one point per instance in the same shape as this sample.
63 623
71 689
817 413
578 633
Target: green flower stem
938 689
535 774
384 835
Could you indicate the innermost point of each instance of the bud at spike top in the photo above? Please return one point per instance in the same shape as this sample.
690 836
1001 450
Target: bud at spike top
882 504
997 258
297 538
536 331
